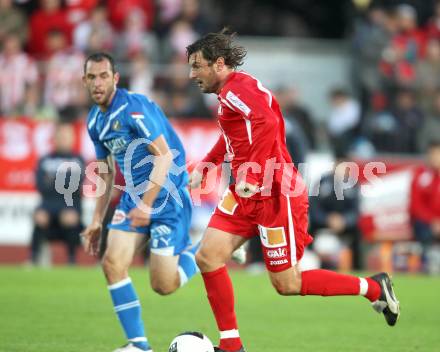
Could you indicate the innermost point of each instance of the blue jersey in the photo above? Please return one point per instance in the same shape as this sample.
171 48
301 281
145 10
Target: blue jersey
125 130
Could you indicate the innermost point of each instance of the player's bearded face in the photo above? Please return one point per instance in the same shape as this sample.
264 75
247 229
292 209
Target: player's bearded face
100 81
203 73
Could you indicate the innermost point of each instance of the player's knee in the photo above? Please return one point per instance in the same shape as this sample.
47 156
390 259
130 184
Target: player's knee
204 262
113 269
287 287
163 288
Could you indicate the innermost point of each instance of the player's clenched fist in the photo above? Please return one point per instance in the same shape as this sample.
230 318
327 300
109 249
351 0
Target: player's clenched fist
246 190
91 237
195 179
140 217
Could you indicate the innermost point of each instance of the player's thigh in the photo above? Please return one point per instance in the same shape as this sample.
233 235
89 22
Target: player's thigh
121 247
288 281
216 248
283 232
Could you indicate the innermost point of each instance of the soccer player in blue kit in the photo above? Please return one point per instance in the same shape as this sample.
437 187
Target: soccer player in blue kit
135 132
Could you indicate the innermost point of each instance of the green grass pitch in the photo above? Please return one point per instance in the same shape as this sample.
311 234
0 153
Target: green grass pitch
69 310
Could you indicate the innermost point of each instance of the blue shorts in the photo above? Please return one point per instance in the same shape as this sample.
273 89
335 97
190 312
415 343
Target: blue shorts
168 229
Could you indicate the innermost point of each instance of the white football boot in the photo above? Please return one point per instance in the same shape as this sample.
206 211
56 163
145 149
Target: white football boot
129 347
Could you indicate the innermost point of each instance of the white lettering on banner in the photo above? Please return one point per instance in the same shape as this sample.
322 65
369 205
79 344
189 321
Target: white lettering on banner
16 137
277 253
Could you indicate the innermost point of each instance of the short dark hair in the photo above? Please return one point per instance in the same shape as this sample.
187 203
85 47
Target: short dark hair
221 44
98 57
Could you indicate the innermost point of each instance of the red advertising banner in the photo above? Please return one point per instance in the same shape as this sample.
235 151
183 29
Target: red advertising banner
24 141
384 208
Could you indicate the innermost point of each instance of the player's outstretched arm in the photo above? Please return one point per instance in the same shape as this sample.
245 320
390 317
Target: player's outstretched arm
104 185
215 156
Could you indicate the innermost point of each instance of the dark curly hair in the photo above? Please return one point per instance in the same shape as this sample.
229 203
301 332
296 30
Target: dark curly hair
221 44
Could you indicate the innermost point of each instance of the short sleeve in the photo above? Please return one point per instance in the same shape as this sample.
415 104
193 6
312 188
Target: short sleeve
146 121
101 151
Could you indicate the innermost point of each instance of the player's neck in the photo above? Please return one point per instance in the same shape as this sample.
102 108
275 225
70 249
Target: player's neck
223 79
104 107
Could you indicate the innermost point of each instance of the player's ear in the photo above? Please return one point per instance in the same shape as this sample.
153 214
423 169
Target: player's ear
220 63
84 81
116 77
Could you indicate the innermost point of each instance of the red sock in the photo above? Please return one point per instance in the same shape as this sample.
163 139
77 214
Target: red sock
221 297
328 283
374 290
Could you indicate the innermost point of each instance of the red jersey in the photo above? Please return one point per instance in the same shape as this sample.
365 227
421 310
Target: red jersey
425 195
252 128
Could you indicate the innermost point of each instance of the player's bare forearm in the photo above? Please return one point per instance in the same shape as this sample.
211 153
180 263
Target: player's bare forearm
217 153
158 177
104 191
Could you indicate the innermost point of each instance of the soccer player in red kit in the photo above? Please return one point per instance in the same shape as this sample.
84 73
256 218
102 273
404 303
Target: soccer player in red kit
268 197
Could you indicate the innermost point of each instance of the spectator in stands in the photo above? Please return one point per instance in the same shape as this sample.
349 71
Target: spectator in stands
119 11
51 16
410 119
18 79
78 10
12 20
296 139
431 127
371 36
425 200
405 49
181 34
433 26
141 77
63 83
288 98
185 99
395 130
55 218
334 213
344 120
428 74
95 33
135 38
191 13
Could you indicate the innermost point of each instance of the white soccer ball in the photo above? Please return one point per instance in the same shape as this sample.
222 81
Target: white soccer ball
191 342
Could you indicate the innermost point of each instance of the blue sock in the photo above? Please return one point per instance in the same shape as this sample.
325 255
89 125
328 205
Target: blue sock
187 264
128 309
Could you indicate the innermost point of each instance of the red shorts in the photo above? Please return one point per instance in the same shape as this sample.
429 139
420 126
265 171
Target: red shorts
281 222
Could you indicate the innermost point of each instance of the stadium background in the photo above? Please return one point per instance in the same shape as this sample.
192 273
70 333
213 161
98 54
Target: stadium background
300 49
301 52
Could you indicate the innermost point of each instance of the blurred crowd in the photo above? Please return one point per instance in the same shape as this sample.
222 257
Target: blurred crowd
43 49
397 70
